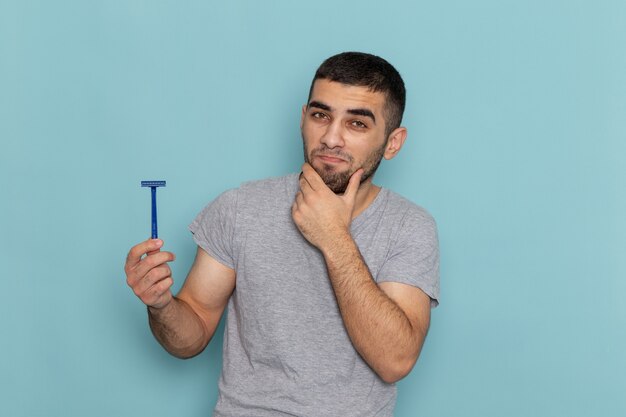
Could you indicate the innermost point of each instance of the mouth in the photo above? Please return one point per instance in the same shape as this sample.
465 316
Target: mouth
330 159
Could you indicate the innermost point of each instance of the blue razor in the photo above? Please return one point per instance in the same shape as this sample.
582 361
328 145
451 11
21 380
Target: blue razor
153 186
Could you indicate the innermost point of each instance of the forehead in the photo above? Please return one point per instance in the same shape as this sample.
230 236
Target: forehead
343 97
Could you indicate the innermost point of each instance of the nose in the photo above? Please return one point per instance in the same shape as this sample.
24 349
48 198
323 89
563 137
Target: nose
333 136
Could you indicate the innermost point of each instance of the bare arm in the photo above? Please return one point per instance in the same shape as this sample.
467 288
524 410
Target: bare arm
184 324
387 324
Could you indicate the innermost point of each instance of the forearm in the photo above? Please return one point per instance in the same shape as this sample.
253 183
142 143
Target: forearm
178 329
378 328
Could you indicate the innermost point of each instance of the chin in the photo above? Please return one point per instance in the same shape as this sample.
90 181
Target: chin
337 181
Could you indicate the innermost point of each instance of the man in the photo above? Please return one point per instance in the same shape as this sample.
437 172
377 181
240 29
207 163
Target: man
329 279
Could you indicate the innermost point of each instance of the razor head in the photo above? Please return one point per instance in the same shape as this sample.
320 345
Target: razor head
153 183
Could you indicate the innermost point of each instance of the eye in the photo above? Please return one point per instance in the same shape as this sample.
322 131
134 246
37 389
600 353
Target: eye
358 124
319 115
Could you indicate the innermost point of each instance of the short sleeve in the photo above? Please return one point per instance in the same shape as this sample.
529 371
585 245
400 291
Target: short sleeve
213 229
413 257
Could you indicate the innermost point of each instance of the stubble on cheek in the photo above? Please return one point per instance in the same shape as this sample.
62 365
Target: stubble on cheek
338 181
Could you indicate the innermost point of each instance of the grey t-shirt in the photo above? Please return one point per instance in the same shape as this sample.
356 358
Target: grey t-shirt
286 351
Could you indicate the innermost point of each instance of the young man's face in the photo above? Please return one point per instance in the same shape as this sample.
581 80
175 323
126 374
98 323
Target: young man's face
343 129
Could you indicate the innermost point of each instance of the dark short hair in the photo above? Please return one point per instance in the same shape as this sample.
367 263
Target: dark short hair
371 71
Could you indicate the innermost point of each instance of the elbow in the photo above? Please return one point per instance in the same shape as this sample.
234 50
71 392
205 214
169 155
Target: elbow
396 370
399 364
184 354
184 351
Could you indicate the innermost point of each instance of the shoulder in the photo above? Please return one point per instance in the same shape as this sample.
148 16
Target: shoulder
269 191
270 184
407 212
253 188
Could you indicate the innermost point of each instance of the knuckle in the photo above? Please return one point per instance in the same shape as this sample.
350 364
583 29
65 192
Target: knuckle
137 290
151 275
157 291
134 251
157 273
160 258
132 279
151 263
162 288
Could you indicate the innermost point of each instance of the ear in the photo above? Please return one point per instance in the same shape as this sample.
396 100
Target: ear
394 142
303 115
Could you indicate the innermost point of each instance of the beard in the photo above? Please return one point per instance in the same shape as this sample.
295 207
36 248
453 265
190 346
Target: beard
338 181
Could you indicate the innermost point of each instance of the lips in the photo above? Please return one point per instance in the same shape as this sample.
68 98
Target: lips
331 159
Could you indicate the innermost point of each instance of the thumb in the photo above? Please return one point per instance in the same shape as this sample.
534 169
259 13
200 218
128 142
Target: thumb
353 185
155 246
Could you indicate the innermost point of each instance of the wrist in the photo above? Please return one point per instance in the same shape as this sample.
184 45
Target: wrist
338 245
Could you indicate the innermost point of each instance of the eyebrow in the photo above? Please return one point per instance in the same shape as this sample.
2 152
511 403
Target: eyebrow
363 112
319 105
357 112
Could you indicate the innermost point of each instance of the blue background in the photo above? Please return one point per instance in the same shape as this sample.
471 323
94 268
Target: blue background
516 116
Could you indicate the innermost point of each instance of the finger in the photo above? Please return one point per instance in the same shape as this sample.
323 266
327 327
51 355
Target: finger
353 185
305 187
152 252
151 278
159 294
298 200
297 205
150 262
294 212
137 251
312 177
